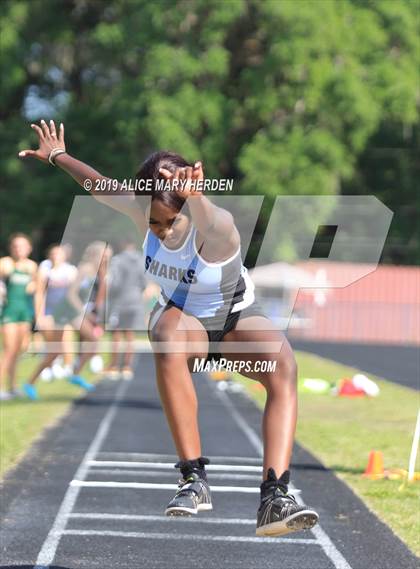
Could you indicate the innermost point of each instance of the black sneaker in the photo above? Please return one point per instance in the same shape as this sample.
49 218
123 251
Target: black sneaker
193 494
279 513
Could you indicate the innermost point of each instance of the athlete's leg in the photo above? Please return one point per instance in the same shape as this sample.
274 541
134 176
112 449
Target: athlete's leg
26 335
11 348
68 345
278 513
115 351
280 412
23 330
18 334
54 337
171 331
88 344
129 349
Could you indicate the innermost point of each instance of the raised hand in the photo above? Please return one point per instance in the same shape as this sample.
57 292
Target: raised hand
48 141
191 178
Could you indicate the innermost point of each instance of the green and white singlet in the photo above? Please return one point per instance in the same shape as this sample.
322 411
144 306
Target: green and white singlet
19 304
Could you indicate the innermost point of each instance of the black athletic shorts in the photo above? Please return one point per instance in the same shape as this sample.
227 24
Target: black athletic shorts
216 326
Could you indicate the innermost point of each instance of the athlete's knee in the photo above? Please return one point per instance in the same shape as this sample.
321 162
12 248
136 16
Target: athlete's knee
162 332
12 352
169 345
283 372
9 354
288 366
168 364
51 356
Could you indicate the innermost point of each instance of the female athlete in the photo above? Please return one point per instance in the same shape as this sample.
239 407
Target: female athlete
192 250
71 309
18 273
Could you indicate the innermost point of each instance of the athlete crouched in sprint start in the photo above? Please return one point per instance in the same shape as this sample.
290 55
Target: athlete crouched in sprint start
186 232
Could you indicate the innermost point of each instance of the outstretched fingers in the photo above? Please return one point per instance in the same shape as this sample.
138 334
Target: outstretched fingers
45 128
61 133
38 130
24 153
52 129
47 139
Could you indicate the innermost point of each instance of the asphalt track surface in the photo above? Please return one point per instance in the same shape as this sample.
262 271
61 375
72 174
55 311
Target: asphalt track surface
91 494
399 364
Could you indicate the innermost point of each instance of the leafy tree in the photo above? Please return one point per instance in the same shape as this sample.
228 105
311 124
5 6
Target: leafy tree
286 97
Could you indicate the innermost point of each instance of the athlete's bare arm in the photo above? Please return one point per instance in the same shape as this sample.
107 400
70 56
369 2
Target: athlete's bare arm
40 293
3 292
214 223
2 267
6 267
84 270
118 199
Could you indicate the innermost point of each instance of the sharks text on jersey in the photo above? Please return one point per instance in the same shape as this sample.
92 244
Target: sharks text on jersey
169 272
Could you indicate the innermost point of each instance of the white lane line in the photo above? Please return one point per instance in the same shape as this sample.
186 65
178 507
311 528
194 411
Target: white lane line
170 466
152 486
151 518
159 474
173 458
49 547
190 537
322 538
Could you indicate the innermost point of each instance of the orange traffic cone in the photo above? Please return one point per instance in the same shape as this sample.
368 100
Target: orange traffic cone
219 375
375 467
348 389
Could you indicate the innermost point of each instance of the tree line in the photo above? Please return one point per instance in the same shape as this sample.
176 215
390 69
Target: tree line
317 97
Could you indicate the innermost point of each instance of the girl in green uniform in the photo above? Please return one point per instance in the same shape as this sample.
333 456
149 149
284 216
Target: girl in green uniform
17 272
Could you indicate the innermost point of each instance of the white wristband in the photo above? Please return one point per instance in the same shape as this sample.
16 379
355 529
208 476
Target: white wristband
53 155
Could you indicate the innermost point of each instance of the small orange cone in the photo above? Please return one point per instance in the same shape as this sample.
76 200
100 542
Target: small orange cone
375 467
348 389
220 375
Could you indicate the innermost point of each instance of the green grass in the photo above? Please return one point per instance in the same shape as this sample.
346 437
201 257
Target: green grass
22 421
340 432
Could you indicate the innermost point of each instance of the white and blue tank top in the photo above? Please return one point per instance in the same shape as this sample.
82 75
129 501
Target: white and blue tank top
59 280
199 287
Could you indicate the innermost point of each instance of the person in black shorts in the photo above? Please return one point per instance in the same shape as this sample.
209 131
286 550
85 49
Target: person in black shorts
192 250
